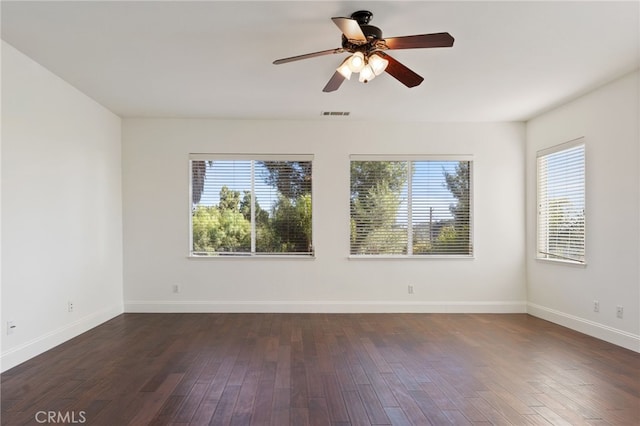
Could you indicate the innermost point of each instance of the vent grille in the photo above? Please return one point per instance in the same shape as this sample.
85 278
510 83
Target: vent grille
335 113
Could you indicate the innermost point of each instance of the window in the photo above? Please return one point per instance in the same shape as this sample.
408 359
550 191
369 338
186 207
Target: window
250 205
561 202
411 206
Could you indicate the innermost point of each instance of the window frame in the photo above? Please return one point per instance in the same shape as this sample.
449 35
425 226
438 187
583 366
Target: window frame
419 158
251 254
547 256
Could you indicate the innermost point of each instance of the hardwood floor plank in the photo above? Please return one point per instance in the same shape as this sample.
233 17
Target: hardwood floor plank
299 386
455 417
168 411
315 388
246 398
552 417
318 412
283 368
382 389
153 401
344 372
429 408
405 377
193 371
191 403
300 416
380 363
355 409
437 396
224 409
502 406
281 411
538 420
397 416
335 401
355 374
372 405
263 404
494 416
204 412
411 410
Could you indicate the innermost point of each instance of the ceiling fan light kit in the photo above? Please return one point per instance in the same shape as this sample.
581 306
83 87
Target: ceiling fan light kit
367 48
368 67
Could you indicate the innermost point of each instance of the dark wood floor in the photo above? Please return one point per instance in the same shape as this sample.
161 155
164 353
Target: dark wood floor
328 369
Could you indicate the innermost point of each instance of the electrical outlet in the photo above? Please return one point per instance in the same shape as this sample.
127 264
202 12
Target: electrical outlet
410 289
176 288
596 306
619 311
11 327
70 306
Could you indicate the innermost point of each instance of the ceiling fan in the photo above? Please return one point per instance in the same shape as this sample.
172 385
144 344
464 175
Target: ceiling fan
367 47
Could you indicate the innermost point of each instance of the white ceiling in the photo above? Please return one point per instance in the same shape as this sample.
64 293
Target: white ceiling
510 60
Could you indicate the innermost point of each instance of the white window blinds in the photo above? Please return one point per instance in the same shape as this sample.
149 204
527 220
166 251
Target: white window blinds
250 205
411 207
561 202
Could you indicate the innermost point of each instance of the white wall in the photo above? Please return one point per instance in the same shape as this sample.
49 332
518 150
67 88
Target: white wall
608 118
62 222
156 212
61 210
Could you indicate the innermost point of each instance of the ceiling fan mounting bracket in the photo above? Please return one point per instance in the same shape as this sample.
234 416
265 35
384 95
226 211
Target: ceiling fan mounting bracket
363 17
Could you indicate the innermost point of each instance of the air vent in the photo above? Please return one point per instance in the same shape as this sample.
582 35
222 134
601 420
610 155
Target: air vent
336 113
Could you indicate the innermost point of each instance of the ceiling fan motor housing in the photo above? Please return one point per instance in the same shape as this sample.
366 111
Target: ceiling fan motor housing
371 32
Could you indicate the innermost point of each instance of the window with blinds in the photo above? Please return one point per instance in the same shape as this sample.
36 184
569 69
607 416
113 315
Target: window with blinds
561 202
251 205
411 207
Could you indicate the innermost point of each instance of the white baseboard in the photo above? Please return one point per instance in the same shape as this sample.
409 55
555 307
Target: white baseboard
189 306
600 331
34 347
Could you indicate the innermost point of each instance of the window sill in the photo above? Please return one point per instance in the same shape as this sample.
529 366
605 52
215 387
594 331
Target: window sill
562 262
250 256
406 257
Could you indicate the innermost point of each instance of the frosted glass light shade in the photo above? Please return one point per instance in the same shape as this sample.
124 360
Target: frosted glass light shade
378 64
367 74
344 69
356 62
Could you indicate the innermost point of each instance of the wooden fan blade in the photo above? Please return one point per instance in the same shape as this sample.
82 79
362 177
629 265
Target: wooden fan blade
308 55
350 28
420 41
400 72
334 82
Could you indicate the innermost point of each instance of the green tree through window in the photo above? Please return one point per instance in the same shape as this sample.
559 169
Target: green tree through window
251 206
410 207
561 202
